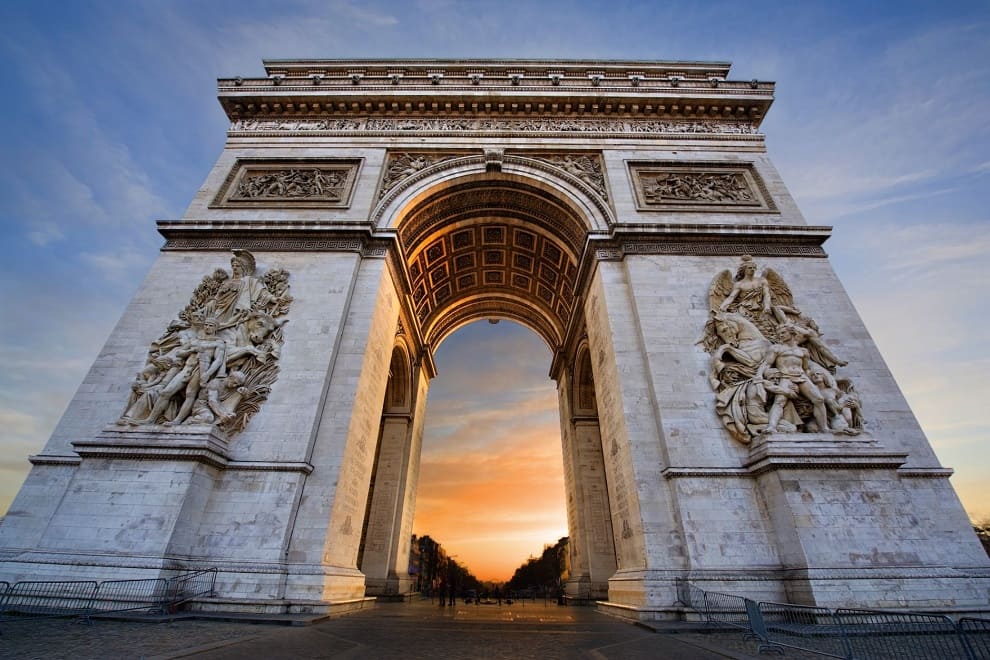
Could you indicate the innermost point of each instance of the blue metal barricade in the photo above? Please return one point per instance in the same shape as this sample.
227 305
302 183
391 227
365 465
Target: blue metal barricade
726 609
813 629
28 600
43 599
129 595
883 635
976 636
185 587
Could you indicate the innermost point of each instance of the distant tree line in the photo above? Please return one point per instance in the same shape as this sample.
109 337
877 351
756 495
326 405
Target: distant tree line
545 572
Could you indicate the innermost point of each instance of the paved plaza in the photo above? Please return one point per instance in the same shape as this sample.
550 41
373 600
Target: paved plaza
395 630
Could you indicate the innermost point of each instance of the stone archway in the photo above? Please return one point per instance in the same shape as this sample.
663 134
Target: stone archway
484 245
373 207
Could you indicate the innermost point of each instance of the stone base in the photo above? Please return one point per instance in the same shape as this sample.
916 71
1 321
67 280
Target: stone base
639 614
931 589
241 587
652 595
392 588
262 606
397 598
583 589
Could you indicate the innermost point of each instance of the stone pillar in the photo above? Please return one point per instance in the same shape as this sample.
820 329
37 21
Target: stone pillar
380 562
406 509
579 575
325 536
598 541
648 541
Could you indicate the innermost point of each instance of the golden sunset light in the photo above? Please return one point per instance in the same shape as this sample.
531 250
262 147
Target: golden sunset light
491 484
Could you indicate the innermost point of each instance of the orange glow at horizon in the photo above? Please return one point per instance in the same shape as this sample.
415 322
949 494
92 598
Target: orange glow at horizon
491 483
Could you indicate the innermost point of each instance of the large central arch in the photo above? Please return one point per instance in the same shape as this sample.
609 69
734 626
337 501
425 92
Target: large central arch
503 244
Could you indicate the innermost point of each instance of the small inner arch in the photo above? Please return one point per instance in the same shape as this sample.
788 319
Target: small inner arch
495 249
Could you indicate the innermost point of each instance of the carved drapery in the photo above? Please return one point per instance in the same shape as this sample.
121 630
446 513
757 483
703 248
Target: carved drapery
216 362
770 369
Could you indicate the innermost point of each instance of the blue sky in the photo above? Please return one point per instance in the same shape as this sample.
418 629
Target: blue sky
880 128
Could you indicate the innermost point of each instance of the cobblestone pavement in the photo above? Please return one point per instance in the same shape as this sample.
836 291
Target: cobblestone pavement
411 630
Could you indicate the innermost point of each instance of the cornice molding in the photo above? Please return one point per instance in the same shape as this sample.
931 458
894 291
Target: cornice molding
51 459
199 444
273 236
563 88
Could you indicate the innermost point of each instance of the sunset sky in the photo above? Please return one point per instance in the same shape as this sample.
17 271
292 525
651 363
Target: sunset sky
491 486
880 128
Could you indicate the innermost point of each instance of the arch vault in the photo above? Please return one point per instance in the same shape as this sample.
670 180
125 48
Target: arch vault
267 418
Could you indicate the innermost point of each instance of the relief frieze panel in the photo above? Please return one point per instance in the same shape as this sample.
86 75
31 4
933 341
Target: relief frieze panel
770 368
280 183
700 186
497 124
587 168
217 360
399 166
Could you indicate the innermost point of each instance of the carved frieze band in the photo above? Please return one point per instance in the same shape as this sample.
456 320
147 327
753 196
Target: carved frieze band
707 249
447 125
700 186
230 240
49 459
281 183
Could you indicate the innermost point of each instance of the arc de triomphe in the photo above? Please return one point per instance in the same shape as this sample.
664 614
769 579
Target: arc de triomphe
725 416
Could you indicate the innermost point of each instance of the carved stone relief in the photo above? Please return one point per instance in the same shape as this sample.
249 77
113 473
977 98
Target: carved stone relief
770 368
216 362
540 125
401 166
585 167
677 186
280 183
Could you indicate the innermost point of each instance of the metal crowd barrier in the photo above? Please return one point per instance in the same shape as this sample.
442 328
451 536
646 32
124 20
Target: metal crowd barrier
900 635
183 588
814 629
29 600
976 636
690 595
44 599
851 634
130 596
727 609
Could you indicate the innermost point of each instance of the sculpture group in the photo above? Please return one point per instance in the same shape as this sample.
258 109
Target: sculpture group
216 362
293 183
770 368
696 187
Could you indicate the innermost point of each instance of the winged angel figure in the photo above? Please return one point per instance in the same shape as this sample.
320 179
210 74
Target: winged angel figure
216 362
770 368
